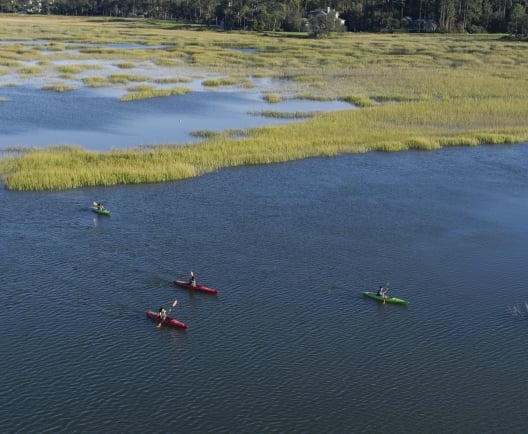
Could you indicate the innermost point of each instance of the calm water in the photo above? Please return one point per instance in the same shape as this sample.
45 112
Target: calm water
289 345
98 120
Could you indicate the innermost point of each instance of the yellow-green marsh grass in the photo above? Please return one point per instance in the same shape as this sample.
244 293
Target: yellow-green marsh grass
59 87
358 100
96 82
70 167
227 81
71 69
149 92
126 78
126 65
428 91
282 115
171 80
272 98
31 70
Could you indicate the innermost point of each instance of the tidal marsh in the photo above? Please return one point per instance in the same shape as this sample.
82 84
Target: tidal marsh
413 91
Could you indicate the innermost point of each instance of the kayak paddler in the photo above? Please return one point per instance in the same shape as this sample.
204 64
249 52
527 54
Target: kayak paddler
192 280
163 313
382 292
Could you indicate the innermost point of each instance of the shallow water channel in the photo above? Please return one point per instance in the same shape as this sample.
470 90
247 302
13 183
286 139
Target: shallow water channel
98 120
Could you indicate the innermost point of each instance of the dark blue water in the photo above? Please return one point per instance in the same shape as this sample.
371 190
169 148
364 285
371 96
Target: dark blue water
290 344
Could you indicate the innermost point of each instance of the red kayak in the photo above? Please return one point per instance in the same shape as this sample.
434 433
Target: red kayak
167 321
197 287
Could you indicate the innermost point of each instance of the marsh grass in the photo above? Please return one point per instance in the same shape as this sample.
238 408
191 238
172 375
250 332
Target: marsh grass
282 115
59 87
31 70
146 92
413 92
205 134
126 78
126 65
272 98
96 82
165 61
358 100
172 80
228 81
70 69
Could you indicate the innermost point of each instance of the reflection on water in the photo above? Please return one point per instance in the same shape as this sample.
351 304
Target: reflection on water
98 120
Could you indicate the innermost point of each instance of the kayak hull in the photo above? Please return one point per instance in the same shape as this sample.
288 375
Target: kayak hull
171 322
100 211
200 288
381 299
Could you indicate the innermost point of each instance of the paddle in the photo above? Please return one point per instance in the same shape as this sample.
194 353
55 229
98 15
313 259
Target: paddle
174 303
385 295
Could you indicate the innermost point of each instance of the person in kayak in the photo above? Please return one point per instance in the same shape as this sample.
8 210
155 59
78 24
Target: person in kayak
192 280
382 292
163 313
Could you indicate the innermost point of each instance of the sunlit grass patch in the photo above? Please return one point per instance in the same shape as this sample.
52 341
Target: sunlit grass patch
307 78
141 88
282 115
171 80
226 81
149 92
67 167
358 100
205 134
55 46
126 78
166 61
59 87
9 63
313 97
30 70
70 69
272 98
96 82
126 65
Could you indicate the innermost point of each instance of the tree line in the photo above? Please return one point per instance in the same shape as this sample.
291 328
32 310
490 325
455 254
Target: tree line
474 16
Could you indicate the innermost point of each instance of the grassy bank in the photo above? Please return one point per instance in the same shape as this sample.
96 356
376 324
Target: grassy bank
413 92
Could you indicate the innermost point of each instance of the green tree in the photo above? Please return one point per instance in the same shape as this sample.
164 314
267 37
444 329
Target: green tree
517 20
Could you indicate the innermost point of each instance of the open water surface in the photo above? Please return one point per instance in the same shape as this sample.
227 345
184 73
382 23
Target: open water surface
98 120
289 345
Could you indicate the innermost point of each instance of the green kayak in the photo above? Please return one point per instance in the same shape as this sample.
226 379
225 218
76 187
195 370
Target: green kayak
375 296
102 211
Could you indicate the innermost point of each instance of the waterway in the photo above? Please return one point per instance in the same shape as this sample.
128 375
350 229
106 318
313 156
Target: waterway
289 344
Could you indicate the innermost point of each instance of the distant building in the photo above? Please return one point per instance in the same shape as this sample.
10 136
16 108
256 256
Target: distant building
324 13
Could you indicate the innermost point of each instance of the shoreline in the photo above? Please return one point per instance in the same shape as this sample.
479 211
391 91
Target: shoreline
420 92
